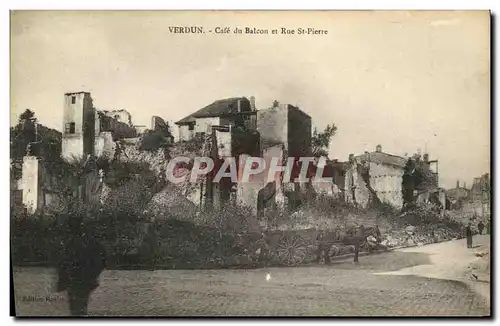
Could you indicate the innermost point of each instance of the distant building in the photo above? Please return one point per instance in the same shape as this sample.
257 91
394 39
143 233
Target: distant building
479 201
457 196
140 129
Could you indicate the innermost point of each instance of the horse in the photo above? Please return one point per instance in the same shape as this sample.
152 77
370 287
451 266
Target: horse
353 236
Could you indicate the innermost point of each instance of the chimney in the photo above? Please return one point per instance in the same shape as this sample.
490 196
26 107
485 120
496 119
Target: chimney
239 106
252 103
378 149
458 184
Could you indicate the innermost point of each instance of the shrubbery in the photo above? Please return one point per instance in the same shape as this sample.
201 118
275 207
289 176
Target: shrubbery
153 140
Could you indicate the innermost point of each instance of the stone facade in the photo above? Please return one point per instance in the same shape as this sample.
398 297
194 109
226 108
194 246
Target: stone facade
30 185
386 180
220 113
475 201
79 125
356 190
259 192
157 123
104 145
186 132
288 125
122 116
375 177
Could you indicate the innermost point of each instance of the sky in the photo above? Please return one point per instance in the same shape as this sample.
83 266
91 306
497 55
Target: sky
405 80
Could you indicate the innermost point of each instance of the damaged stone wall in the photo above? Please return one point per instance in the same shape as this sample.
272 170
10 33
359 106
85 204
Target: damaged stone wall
224 141
42 188
30 184
288 125
248 192
203 124
327 188
120 115
72 147
185 133
387 181
104 145
157 123
356 190
272 124
118 129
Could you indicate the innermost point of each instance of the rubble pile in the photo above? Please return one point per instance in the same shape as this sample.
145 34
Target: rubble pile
417 236
130 153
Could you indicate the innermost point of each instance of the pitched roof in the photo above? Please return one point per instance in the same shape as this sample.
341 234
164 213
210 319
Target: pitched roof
215 109
384 158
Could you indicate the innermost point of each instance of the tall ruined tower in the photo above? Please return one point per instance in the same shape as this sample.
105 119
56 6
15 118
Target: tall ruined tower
79 127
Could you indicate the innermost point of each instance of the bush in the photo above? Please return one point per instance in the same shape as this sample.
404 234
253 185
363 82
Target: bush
33 238
230 218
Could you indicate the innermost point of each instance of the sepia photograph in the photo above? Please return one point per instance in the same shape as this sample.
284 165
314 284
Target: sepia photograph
250 163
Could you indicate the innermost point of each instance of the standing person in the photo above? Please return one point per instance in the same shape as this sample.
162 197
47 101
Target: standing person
468 234
480 227
81 263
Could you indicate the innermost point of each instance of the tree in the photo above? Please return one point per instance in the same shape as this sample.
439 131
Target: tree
23 133
44 141
27 115
320 141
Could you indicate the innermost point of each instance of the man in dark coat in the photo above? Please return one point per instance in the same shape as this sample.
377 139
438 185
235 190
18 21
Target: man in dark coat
480 227
468 234
81 262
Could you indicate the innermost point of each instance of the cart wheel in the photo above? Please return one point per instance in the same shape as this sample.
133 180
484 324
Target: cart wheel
291 250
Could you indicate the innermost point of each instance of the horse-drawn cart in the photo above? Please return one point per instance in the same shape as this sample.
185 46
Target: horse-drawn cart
295 247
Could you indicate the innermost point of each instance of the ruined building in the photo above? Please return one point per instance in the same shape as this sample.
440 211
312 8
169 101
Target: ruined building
475 201
457 196
226 112
87 133
235 128
374 178
479 202
377 177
